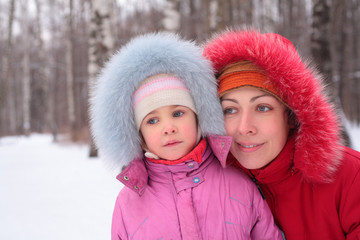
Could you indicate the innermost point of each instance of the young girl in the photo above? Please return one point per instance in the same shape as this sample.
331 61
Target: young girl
153 106
286 135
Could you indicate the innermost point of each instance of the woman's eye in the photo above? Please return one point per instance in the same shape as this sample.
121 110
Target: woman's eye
178 113
263 108
229 111
152 121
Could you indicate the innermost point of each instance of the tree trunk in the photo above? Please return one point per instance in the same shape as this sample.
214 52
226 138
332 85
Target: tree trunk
6 68
220 16
356 36
320 49
320 40
70 75
213 15
101 43
50 79
26 78
171 21
44 69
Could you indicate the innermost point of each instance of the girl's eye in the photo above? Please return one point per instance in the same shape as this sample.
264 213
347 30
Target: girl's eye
263 108
229 111
178 113
152 121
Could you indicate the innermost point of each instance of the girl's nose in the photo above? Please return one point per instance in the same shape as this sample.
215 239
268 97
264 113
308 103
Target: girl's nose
169 128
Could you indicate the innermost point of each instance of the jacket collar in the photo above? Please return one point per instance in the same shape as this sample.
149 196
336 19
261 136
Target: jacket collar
195 154
220 146
135 175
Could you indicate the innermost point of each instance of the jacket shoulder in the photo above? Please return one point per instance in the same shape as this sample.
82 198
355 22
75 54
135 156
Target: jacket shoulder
350 164
351 153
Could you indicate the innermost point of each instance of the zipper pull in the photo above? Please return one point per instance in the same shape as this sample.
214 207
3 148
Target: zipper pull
258 187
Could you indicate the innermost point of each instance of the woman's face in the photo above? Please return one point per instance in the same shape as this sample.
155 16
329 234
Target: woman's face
258 123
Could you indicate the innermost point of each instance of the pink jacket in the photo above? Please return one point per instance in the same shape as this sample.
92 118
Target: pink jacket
191 200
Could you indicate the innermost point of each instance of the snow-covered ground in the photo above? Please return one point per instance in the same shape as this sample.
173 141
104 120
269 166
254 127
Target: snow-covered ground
54 191
50 191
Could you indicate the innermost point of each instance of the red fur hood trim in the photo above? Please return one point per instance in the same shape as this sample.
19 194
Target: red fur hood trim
318 142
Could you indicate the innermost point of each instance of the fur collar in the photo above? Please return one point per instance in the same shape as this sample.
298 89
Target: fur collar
111 112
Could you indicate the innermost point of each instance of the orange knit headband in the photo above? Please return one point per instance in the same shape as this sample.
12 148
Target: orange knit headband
243 73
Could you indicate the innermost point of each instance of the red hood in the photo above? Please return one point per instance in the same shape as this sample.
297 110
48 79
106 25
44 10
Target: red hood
318 142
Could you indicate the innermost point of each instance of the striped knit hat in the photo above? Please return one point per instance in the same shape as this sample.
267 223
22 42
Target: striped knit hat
158 91
244 73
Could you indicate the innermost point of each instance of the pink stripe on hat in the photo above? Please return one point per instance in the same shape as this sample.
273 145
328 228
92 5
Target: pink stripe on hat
158 91
164 82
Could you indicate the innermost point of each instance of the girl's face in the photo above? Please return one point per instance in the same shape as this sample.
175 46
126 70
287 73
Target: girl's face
170 132
258 123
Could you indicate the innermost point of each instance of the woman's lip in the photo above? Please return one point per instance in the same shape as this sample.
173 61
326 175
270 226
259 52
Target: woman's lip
249 147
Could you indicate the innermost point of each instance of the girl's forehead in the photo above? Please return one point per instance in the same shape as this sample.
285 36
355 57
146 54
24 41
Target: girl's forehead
170 108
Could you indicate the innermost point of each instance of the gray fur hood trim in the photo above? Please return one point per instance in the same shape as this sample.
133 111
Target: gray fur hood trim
111 112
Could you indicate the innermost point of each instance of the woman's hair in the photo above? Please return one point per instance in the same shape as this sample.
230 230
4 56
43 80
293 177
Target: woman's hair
292 119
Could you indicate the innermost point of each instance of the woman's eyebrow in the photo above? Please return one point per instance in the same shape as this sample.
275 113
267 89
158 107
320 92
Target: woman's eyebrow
253 99
228 99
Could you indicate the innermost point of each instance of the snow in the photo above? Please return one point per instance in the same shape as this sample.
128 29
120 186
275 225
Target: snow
54 191
354 134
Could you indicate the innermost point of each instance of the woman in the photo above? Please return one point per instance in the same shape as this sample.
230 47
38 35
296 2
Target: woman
286 135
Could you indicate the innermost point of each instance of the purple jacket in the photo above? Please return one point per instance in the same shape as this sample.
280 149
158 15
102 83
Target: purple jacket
224 203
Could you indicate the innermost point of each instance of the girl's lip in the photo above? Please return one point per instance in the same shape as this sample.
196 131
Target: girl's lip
249 147
171 143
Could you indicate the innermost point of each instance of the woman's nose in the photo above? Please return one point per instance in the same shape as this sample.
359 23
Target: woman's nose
246 124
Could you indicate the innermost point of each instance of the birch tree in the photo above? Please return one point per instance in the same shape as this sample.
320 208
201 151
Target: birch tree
26 89
50 74
171 21
213 15
265 14
101 44
321 52
356 62
70 74
6 67
44 71
320 40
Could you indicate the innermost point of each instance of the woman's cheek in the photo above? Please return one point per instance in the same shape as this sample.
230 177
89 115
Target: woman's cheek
229 126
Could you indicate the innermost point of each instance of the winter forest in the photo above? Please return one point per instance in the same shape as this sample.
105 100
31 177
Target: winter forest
51 50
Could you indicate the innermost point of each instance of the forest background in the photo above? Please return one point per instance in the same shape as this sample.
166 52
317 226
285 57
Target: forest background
51 50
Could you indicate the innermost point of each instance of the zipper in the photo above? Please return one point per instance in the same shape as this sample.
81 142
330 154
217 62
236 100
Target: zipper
257 185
